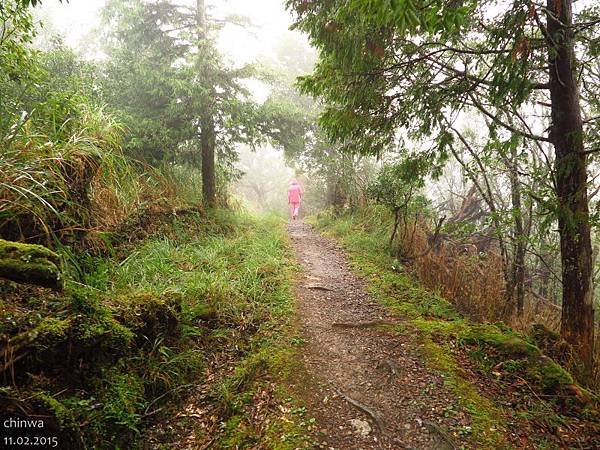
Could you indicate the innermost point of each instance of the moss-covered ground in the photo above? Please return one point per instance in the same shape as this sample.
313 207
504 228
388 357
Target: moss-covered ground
516 396
139 329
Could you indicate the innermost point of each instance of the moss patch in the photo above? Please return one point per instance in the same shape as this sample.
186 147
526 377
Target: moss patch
487 422
30 263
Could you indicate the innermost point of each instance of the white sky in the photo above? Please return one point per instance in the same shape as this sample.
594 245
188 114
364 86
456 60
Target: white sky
74 20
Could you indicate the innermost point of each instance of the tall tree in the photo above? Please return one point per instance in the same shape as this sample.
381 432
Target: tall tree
566 134
181 102
207 124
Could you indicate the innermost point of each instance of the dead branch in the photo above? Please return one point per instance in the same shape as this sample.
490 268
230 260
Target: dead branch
470 208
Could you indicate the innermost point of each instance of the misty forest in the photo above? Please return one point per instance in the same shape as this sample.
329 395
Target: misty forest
300 224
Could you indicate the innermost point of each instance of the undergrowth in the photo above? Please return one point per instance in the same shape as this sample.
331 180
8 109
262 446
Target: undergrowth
514 394
133 335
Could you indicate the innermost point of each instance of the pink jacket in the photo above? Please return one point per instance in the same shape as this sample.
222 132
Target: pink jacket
294 193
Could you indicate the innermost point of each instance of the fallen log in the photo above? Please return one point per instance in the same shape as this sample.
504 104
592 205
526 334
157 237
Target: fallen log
31 264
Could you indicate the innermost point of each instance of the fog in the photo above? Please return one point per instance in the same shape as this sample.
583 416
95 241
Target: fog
270 21
264 170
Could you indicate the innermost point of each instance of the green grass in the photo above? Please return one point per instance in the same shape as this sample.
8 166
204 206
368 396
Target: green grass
140 329
240 278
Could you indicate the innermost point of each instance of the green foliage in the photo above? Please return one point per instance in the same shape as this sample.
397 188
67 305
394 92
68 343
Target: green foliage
17 60
391 70
63 169
397 185
366 48
35 2
142 83
63 415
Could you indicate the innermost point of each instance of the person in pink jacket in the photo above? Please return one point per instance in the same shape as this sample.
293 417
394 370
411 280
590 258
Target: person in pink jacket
294 198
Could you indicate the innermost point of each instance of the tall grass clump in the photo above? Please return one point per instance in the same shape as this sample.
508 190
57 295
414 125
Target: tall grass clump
61 181
46 173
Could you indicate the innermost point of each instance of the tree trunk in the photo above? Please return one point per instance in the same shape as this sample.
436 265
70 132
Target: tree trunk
577 321
334 197
518 268
395 229
207 140
201 19
207 124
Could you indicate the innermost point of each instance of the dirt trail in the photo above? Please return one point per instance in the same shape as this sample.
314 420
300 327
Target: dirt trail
378 369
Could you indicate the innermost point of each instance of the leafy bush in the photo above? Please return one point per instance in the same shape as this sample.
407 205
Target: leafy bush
398 187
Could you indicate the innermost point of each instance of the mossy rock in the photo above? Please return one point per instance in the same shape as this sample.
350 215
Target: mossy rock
202 314
549 376
50 332
149 315
544 337
30 263
542 371
507 344
104 333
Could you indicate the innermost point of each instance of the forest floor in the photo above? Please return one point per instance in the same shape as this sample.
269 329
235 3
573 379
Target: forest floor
350 352
367 387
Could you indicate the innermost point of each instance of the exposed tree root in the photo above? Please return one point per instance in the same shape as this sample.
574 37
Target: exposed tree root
318 287
446 440
365 409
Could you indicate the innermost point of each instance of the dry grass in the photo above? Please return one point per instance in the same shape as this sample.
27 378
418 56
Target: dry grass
472 282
